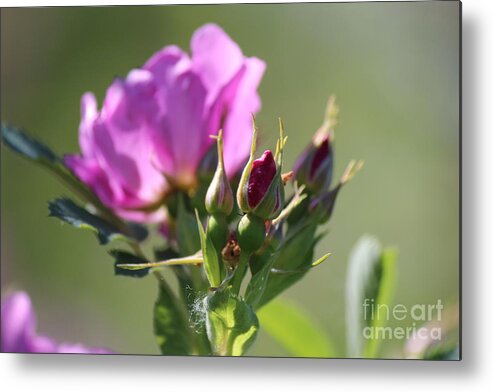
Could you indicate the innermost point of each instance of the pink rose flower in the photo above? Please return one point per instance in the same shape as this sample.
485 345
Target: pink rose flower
153 128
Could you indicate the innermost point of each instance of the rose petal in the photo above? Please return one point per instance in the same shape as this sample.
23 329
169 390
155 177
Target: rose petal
238 125
180 135
216 58
18 322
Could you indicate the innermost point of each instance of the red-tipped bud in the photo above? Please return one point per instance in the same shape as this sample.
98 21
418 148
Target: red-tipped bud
315 166
261 177
261 190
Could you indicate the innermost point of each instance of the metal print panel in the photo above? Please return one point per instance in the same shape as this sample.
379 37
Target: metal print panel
232 180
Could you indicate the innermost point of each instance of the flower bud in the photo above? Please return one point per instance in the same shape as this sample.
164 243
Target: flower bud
251 233
219 197
261 190
218 230
261 176
315 166
262 195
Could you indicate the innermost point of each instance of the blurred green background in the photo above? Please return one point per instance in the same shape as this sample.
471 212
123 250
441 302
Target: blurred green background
394 68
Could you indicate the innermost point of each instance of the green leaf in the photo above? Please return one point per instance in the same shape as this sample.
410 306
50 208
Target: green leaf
230 322
123 257
138 231
32 149
442 352
165 254
294 330
38 152
27 146
155 265
66 210
171 326
260 278
293 261
186 230
370 281
212 267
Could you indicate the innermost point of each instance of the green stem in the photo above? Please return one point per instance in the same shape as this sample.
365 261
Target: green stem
240 272
201 342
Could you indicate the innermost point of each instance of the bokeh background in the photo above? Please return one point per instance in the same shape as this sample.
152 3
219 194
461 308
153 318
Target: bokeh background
394 68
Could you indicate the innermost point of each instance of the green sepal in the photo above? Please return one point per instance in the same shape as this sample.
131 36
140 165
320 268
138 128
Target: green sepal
299 212
294 259
260 278
323 205
272 203
242 192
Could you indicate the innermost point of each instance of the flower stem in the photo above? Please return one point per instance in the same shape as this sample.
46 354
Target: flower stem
240 272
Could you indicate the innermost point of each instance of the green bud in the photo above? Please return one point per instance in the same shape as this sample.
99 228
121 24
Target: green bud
218 230
219 197
251 233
